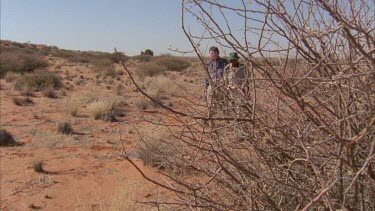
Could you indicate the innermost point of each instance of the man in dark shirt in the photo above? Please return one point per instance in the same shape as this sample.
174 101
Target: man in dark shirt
215 69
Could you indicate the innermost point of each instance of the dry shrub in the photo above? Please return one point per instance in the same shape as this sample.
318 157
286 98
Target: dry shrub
38 81
104 67
161 88
64 127
25 101
6 139
154 148
149 69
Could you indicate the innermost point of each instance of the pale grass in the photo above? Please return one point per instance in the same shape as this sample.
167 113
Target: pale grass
72 104
101 106
125 198
11 76
161 87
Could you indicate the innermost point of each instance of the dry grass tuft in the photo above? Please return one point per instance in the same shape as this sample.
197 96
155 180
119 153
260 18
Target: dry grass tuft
64 127
100 107
37 165
72 104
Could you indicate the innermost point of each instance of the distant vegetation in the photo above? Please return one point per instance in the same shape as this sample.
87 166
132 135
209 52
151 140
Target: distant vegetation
25 58
160 65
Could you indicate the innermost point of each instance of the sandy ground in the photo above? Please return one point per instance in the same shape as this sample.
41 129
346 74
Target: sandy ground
84 170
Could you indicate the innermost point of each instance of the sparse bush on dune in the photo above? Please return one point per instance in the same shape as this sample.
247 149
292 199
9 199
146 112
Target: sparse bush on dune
161 65
38 81
20 62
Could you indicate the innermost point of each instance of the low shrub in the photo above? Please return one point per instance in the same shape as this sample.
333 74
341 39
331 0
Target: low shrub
38 81
155 148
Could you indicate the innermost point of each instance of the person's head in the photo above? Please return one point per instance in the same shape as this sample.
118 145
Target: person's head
214 53
233 58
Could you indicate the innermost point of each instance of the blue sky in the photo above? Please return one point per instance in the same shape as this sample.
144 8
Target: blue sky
130 26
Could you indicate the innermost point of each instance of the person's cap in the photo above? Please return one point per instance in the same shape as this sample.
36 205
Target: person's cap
233 56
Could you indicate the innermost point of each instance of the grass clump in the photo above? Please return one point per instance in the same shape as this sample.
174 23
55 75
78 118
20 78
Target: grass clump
23 101
6 139
100 107
37 165
64 127
72 105
38 81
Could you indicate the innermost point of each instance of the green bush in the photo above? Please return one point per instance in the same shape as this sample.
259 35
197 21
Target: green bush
148 52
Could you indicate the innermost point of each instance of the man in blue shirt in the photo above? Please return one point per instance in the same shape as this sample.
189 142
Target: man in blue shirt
215 69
